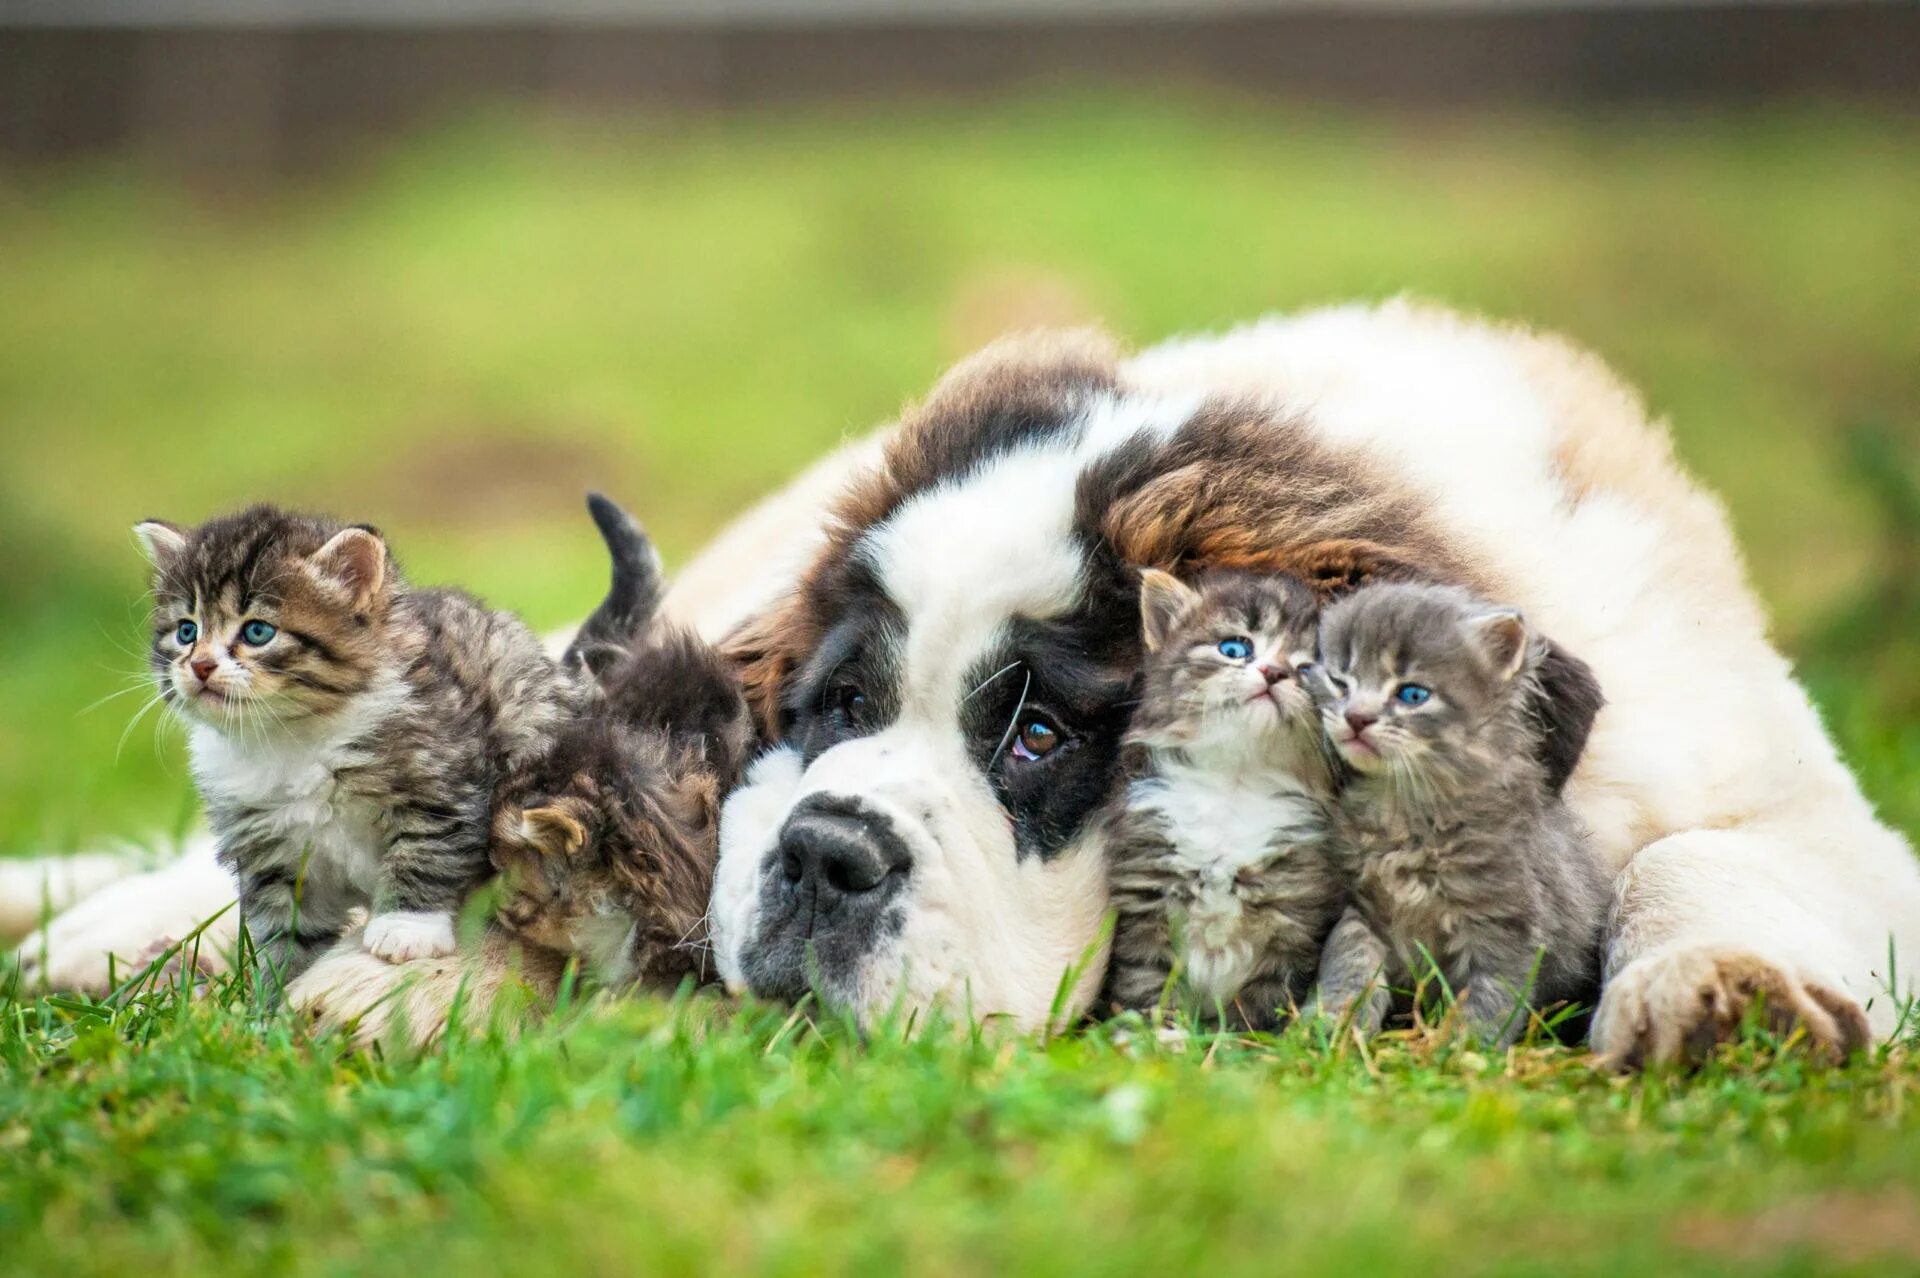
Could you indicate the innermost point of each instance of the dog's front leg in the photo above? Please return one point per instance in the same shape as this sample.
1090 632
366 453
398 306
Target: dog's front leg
1790 916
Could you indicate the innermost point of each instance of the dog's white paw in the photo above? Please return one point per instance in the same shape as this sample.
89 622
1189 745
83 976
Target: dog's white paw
41 887
1675 1005
406 934
58 959
103 939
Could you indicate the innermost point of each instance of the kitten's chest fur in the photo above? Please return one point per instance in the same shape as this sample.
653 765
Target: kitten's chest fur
1435 878
313 796
1235 862
1218 826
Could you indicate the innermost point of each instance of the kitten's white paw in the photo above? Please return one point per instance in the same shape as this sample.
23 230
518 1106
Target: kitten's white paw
407 934
1675 1005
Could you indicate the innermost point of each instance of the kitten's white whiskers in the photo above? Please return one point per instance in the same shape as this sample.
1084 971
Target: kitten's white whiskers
140 684
138 715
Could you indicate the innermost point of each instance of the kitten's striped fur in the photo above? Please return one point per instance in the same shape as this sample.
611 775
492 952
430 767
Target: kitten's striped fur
1219 864
350 758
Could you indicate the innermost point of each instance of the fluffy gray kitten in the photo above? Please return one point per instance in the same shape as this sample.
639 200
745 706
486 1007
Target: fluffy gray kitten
1451 830
1217 848
347 730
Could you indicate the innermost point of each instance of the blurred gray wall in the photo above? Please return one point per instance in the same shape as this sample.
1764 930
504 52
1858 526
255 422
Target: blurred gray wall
283 85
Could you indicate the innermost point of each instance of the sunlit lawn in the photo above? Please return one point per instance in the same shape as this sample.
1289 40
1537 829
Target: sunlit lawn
459 336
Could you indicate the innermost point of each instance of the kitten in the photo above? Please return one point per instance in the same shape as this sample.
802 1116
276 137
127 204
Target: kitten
1218 862
1451 828
346 729
606 841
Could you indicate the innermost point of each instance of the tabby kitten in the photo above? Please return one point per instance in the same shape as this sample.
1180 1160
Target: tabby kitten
1451 832
606 840
346 730
1218 863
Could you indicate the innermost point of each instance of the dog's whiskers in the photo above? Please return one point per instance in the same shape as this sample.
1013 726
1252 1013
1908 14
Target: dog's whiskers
982 687
1013 720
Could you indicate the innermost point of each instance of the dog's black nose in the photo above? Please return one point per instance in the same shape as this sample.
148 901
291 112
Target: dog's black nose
839 854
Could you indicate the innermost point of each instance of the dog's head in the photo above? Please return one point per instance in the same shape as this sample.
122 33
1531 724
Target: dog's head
948 686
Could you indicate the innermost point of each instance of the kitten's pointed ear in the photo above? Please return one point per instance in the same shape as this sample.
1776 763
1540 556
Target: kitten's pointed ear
1504 638
553 830
510 848
355 559
1163 597
163 542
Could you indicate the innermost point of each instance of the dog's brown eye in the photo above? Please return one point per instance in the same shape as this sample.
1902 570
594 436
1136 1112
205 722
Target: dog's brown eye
1037 739
852 703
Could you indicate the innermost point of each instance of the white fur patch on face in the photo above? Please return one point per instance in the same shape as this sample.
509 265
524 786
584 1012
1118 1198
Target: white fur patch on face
963 559
229 686
749 823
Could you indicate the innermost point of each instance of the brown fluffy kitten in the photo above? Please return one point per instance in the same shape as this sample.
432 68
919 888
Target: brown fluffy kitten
347 730
1451 830
606 841
1217 856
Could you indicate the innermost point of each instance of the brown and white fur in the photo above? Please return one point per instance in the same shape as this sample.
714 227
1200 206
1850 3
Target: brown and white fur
1747 859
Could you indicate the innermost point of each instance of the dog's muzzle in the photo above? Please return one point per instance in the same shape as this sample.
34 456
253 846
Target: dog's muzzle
841 853
842 867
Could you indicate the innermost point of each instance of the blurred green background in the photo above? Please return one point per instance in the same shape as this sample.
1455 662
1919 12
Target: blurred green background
453 336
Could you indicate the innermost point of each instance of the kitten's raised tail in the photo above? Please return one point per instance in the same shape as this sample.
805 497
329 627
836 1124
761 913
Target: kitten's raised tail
632 598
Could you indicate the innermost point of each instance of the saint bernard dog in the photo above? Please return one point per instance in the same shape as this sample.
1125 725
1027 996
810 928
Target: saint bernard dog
938 630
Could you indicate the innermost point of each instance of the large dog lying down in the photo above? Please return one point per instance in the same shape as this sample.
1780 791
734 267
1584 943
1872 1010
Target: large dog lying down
919 601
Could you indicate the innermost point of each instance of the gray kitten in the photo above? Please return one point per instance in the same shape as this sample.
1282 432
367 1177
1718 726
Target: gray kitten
1217 854
347 730
1451 829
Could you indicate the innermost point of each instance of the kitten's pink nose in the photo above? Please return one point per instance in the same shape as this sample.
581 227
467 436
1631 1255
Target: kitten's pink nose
203 668
1272 674
1360 722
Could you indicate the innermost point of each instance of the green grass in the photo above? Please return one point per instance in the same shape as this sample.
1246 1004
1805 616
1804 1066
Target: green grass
175 1135
460 335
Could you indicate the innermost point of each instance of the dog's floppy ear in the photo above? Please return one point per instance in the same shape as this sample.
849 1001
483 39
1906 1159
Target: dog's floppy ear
1163 598
762 652
1334 566
1565 701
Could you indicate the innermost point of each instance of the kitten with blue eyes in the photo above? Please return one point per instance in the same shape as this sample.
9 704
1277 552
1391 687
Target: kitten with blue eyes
1217 848
1451 831
347 730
